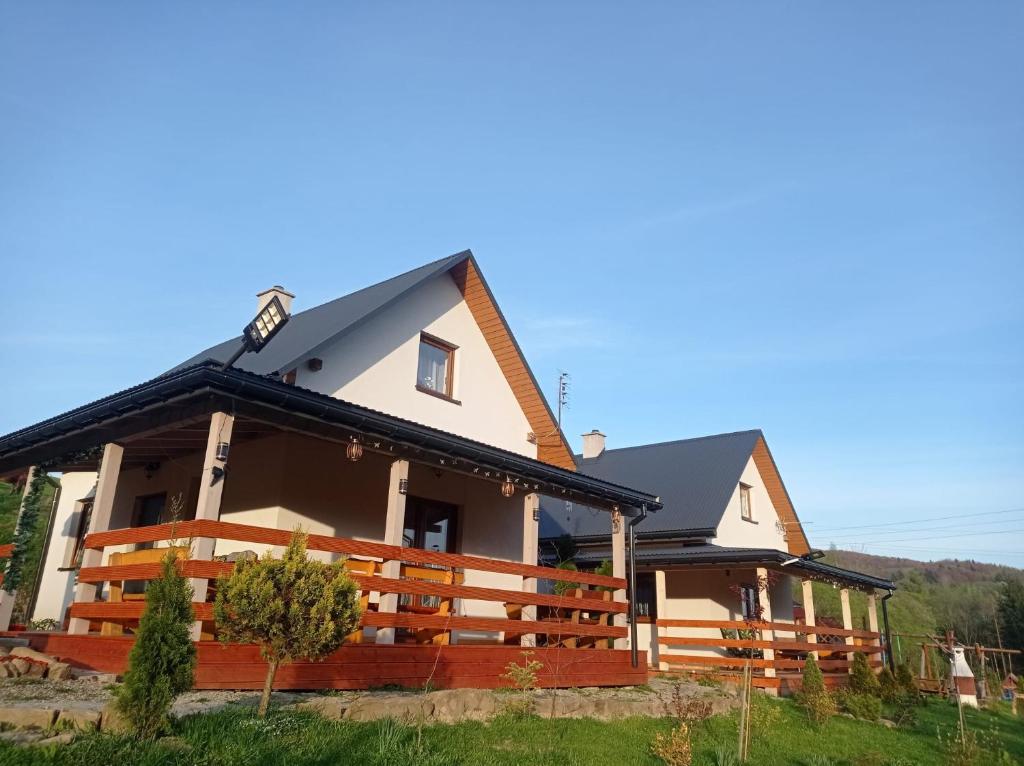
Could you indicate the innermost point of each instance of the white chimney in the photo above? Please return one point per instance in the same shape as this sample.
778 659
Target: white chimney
593 444
268 295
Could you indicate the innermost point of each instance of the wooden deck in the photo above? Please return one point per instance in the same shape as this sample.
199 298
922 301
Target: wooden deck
362 666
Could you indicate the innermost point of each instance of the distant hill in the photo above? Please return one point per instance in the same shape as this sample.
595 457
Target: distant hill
944 572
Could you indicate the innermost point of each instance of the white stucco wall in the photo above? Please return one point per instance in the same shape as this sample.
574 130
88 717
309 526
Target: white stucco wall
762 532
375 365
58 582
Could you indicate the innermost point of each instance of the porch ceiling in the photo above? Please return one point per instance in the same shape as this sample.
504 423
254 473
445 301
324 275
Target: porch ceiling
168 415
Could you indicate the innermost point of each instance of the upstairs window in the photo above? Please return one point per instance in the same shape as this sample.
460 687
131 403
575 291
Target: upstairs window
746 508
434 373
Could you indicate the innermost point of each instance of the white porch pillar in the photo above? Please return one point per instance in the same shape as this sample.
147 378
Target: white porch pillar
844 602
661 613
7 599
102 507
531 532
809 619
394 525
765 600
619 570
208 508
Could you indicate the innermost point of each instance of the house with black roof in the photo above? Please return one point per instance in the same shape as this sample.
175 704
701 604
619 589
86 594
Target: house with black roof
726 550
400 426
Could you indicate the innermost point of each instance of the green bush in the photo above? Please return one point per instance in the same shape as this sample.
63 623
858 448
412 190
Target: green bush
562 587
859 705
888 689
862 678
162 661
292 607
816 700
905 681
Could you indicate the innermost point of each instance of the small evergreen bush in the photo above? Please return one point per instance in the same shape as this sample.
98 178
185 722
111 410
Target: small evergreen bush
862 678
162 662
860 705
816 700
905 681
888 688
562 587
292 607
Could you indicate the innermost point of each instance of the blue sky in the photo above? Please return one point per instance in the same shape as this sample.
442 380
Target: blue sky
801 217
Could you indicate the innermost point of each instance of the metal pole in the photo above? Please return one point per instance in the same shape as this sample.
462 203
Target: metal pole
888 635
633 653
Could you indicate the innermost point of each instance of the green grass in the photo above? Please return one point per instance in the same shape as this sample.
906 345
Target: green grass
234 736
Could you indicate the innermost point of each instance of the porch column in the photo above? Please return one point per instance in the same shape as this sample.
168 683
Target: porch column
809 620
102 507
844 602
661 612
765 601
531 509
208 508
7 599
394 525
619 570
873 625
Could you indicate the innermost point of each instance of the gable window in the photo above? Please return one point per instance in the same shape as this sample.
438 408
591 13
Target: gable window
746 507
436 365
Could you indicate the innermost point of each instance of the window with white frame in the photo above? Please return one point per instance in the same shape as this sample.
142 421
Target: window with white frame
746 505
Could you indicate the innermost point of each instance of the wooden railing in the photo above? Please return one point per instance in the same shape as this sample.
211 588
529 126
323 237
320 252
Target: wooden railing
727 655
560 626
5 553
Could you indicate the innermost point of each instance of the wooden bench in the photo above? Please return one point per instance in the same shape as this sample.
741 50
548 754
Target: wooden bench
435 606
117 592
576 615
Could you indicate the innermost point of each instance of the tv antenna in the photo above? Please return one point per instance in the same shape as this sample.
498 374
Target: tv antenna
563 395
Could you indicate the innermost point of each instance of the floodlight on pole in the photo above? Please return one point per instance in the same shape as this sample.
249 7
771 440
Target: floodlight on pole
261 330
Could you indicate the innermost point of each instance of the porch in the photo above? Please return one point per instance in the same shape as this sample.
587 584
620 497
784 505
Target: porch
713 619
440 534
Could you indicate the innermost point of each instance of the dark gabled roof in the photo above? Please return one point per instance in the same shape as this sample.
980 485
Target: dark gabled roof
206 388
708 554
309 331
695 478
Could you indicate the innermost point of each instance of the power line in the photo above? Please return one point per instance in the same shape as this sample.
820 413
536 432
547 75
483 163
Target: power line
922 521
943 537
966 525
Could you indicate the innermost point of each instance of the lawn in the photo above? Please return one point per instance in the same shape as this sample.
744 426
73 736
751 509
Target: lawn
235 737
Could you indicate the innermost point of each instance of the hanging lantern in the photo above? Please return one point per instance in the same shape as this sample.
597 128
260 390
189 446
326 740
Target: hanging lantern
354 450
508 488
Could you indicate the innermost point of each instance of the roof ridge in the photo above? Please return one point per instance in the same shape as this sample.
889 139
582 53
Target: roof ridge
679 441
462 253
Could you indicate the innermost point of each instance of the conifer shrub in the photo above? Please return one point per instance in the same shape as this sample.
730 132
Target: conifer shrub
860 705
905 681
814 697
862 678
888 688
162 661
292 608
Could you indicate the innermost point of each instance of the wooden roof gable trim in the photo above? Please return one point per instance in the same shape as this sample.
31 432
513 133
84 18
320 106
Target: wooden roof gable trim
551 445
795 537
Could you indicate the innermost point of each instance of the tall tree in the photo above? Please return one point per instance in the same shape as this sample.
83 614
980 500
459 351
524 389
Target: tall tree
1011 614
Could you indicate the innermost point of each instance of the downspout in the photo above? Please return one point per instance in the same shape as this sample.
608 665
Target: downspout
633 653
888 636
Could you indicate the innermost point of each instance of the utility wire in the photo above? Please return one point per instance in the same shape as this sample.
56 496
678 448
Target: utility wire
947 537
966 525
921 521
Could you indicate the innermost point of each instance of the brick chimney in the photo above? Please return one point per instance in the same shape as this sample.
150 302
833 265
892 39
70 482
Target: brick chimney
267 295
593 444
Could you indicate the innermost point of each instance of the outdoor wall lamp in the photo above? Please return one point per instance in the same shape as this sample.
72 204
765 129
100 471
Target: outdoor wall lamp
403 486
222 451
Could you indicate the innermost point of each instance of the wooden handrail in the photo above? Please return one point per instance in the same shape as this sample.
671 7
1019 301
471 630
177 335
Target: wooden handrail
786 627
132 610
213 569
6 550
224 530
742 643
